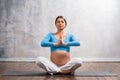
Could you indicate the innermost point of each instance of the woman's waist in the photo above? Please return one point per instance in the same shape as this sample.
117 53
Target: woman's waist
60 54
58 49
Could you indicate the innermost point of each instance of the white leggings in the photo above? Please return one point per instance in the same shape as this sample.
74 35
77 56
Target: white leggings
50 67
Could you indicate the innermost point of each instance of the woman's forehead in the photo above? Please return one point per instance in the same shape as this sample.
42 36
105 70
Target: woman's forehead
59 19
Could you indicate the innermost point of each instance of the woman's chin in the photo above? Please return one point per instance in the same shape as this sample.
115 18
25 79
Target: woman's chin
61 28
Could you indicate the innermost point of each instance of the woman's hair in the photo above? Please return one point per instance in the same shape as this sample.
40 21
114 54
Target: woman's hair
62 18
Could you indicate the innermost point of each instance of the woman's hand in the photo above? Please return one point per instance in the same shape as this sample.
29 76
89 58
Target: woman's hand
57 43
62 41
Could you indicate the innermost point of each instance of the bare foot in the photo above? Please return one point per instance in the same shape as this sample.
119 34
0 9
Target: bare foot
67 72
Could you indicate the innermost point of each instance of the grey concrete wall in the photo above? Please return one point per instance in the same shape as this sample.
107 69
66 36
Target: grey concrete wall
24 23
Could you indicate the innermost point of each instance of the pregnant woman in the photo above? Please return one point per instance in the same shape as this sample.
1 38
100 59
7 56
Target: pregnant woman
59 43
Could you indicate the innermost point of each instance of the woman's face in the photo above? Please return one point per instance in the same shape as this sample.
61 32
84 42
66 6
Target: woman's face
60 24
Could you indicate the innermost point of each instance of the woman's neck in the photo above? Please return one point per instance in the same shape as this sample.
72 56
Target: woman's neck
60 32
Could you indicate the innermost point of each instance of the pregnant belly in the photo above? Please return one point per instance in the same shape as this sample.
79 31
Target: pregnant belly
60 57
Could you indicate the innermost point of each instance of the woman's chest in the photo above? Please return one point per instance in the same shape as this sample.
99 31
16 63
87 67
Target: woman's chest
55 39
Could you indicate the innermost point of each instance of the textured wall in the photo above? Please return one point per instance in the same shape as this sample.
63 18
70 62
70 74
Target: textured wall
24 23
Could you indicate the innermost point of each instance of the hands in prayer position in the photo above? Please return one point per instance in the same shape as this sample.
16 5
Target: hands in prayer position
60 41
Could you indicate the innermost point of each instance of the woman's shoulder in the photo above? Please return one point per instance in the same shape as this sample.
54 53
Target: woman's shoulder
70 34
50 33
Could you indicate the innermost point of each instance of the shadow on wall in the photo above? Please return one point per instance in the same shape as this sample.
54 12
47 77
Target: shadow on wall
2 53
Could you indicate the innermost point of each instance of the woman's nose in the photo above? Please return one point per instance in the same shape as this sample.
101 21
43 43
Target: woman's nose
60 22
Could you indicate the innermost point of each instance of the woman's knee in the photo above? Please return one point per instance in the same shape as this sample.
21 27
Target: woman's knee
41 60
77 60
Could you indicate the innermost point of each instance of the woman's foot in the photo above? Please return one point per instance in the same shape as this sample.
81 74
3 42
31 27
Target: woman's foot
71 71
67 72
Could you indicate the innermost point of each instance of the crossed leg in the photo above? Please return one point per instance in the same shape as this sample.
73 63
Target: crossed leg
50 67
47 65
71 66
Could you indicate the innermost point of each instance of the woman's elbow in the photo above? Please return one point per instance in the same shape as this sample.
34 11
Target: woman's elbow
78 43
42 44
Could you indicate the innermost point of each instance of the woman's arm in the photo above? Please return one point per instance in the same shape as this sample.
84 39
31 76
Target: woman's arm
46 41
73 41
